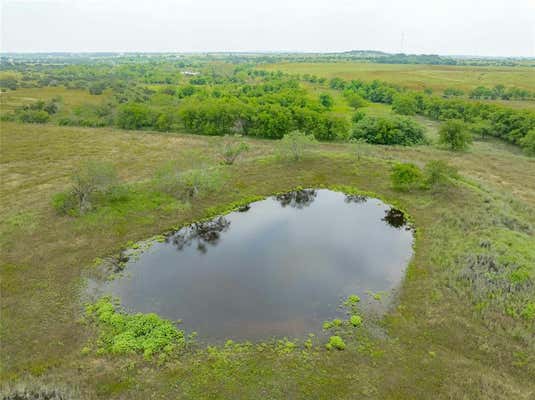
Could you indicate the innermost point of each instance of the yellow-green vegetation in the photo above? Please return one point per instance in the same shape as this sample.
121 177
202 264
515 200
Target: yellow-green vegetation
416 76
121 333
463 320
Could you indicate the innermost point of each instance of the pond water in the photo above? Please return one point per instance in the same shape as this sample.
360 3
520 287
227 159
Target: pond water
278 267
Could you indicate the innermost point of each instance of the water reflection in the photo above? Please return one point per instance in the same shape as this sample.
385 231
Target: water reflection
395 218
355 198
204 233
297 199
270 271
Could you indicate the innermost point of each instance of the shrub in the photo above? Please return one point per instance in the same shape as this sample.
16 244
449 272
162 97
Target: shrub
335 342
481 129
90 179
34 116
455 135
406 176
295 144
358 116
438 173
135 116
355 100
404 104
231 150
391 131
198 181
528 143
64 203
528 312
326 100
187 184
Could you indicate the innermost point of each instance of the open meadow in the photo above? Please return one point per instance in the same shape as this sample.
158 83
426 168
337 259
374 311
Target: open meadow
170 149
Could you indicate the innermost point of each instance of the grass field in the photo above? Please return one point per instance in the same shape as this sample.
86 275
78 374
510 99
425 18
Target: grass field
70 98
419 77
435 343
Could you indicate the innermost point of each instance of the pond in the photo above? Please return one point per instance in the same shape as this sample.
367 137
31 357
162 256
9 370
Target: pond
275 268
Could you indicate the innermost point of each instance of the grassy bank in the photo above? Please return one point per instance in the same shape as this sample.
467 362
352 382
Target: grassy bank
438 341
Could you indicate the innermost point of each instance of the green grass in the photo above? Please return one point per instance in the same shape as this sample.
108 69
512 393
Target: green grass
70 98
436 77
438 340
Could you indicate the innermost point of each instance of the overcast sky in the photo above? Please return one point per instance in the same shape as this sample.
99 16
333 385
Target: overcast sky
471 27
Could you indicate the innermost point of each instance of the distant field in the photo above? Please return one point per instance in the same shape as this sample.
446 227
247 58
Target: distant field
70 97
436 77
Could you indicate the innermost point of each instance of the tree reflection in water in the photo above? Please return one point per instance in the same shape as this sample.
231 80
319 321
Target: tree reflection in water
355 198
204 233
395 218
298 198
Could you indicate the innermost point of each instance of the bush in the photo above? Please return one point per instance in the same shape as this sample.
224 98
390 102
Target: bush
391 131
90 179
404 104
454 134
33 116
326 100
481 129
438 173
135 116
231 150
187 184
64 203
294 145
406 176
355 100
528 143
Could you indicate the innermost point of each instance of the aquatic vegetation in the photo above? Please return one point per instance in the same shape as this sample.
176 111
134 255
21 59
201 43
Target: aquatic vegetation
355 320
352 300
335 342
122 333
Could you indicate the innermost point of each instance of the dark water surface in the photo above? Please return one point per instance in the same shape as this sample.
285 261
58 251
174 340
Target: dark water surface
278 267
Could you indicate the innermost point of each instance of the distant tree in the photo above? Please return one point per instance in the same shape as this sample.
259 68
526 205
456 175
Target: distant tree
455 135
453 92
97 88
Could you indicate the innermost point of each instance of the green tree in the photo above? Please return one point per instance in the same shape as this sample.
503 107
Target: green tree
389 130
455 135
134 116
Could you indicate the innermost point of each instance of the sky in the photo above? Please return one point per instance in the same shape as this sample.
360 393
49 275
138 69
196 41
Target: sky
448 27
